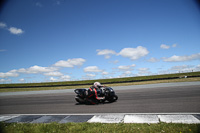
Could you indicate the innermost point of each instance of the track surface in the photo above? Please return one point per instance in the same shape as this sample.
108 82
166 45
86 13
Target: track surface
176 98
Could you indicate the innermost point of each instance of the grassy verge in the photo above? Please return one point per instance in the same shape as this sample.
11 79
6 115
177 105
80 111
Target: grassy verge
104 81
193 76
98 127
87 86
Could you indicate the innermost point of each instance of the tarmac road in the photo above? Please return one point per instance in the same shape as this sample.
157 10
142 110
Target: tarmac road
157 98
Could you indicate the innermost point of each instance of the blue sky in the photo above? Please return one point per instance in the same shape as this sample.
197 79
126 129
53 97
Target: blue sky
63 40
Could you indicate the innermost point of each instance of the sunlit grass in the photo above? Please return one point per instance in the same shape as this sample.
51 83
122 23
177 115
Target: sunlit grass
98 127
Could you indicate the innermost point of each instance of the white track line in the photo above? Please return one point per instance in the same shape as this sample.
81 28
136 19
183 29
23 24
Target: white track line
188 119
106 119
7 117
141 119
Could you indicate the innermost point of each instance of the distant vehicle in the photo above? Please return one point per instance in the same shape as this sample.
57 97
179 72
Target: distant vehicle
106 92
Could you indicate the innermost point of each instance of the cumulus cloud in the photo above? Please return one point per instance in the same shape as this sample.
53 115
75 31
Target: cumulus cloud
61 78
52 79
114 62
37 69
15 30
143 71
54 74
176 58
153 60
197 68
52 71
12 73
92 69
126 70
106 52
46 71
32 70
70 62
126 74
185 68
90 75
3 25
5 80
22 80
164 46
105 73
129 67
134 53
65 78
181 68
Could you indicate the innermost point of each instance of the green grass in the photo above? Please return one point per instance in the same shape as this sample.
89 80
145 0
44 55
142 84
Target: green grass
87 86
193 76
98 127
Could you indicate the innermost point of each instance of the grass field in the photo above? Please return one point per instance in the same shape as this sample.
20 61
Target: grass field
180 77
98 127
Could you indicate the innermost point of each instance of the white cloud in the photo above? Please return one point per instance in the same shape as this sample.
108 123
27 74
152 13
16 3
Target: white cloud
153 60
90 75
92 69
105 73
55 74
185 68
125 74
47 71
5 80
70 62
134 53
126 70
164 46
114 62
129 67
143 71
61 78
123 67
106 52
65 78
176 58
22 80
181 68
197 68
37 69
2 25
12 73
12 30
52 79
22 70
15 31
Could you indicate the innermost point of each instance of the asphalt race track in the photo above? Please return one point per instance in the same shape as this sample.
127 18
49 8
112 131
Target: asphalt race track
157 98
